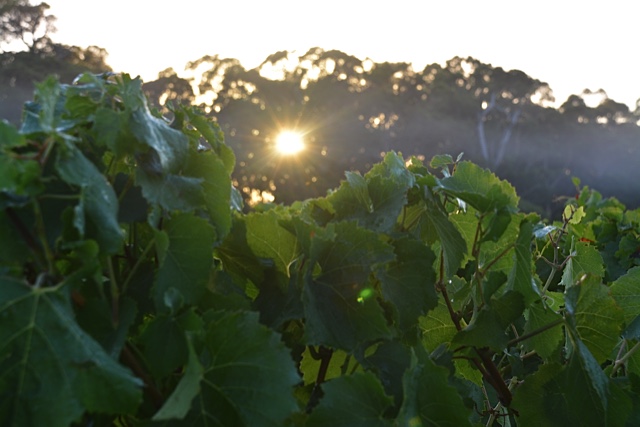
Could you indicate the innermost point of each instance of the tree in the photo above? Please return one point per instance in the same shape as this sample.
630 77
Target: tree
169 87
29 24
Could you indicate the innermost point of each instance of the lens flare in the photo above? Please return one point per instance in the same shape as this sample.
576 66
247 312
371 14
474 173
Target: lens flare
289 142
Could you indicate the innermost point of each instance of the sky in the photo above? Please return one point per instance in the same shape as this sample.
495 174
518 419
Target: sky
571 45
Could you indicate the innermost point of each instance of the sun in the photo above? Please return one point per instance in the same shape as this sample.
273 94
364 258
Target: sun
289 142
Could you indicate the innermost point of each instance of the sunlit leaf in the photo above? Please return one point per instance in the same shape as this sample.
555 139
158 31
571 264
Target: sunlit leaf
216 188
267 239
585 260
521 276
480 188
452 244
437 327
626 292
598 319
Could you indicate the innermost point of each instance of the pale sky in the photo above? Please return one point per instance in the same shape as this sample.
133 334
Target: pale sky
572 45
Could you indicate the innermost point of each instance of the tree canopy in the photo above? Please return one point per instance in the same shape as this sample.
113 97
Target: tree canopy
350 110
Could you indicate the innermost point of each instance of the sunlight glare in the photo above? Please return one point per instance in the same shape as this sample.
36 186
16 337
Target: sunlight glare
289 142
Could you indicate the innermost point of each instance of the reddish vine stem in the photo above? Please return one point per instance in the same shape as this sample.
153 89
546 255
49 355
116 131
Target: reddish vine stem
129 359
485 365
323 354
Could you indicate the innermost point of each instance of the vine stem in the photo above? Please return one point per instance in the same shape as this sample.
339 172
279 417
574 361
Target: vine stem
42 235
139 261
535 332
115 293
499 406
129 359
624 358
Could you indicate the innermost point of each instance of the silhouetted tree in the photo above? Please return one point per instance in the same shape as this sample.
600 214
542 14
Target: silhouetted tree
29 24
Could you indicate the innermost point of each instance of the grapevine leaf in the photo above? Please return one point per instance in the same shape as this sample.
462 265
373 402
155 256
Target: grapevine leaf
409 282
17 176
538 317
375 200
245 366
352 400
172 192
170 145
9 136
488 328
497 225
51 371
390 360
337 366
96 318
521 276
578 394
210 130
280 298
452 244
110 129
162 335
585 260
428 397
340 307
597 318
216 187
187 261
267 239
626 292
180 400
98 199
437 327
480 188
44 114
237 257
440 161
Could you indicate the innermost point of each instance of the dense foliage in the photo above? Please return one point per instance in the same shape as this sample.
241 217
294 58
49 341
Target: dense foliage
134 291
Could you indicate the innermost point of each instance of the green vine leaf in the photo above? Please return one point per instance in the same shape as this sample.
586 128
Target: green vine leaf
179 402
245 365
585 260
480 188
375 200
57 370
340 306
521 276
428 397
577 394
267 239
626 292
409 282
356 400
597 318
97 198
452 244
185 259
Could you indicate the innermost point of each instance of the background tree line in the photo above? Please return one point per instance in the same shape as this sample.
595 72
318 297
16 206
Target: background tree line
351 110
